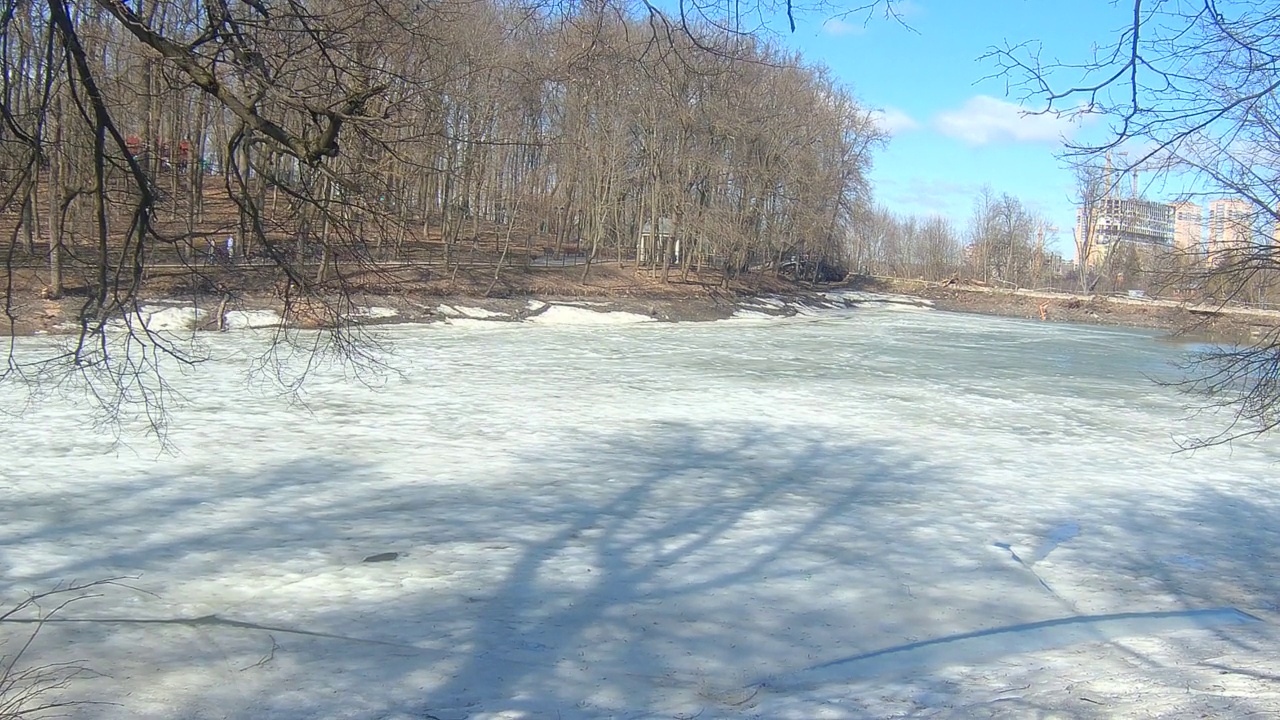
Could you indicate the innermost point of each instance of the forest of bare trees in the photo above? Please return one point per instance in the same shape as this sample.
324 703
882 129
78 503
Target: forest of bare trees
1004 244
332 134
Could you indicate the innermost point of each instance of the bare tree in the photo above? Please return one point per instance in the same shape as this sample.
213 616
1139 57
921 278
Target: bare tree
1089 192
1004 236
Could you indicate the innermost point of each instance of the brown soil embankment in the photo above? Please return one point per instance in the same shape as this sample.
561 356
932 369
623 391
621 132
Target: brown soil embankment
1201 320
416 295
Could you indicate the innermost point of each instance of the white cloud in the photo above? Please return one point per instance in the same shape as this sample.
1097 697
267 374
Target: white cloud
983 119
931 196
894 121
839 28
907 8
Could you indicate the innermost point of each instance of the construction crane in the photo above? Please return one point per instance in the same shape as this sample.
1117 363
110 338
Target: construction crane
1133 171
1106 176
1108 188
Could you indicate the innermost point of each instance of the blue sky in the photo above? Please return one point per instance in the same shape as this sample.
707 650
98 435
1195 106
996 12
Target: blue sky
952 130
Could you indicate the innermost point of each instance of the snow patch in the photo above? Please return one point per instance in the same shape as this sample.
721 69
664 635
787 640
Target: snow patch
853 298
567 315
249 319
751 315
827 304
164 319
175 319
373 313
479 313
452 312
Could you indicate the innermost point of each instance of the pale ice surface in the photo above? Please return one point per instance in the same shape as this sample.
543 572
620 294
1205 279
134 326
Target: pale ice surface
865 514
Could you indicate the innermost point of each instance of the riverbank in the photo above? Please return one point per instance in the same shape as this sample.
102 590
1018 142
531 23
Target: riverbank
1198 320
401 295
625 295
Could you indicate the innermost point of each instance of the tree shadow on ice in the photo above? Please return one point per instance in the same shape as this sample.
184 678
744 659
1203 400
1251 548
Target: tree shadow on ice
665 569
662 569
144 525
655 568
684 581
1148 566
1213 547
659 560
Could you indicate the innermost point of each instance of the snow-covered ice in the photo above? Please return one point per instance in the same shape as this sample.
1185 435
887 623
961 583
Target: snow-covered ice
867 515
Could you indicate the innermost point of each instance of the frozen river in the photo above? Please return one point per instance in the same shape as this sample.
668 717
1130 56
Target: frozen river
880 513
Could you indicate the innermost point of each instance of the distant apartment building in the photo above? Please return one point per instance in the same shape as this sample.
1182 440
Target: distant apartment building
1274 220
1230 227
1188 229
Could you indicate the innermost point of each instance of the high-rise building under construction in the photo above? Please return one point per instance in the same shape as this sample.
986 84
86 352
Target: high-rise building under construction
1116 221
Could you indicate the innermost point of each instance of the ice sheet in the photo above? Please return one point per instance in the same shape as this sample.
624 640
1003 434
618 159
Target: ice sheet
875 514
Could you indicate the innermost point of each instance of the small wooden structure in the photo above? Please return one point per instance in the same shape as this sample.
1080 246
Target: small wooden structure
650 248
